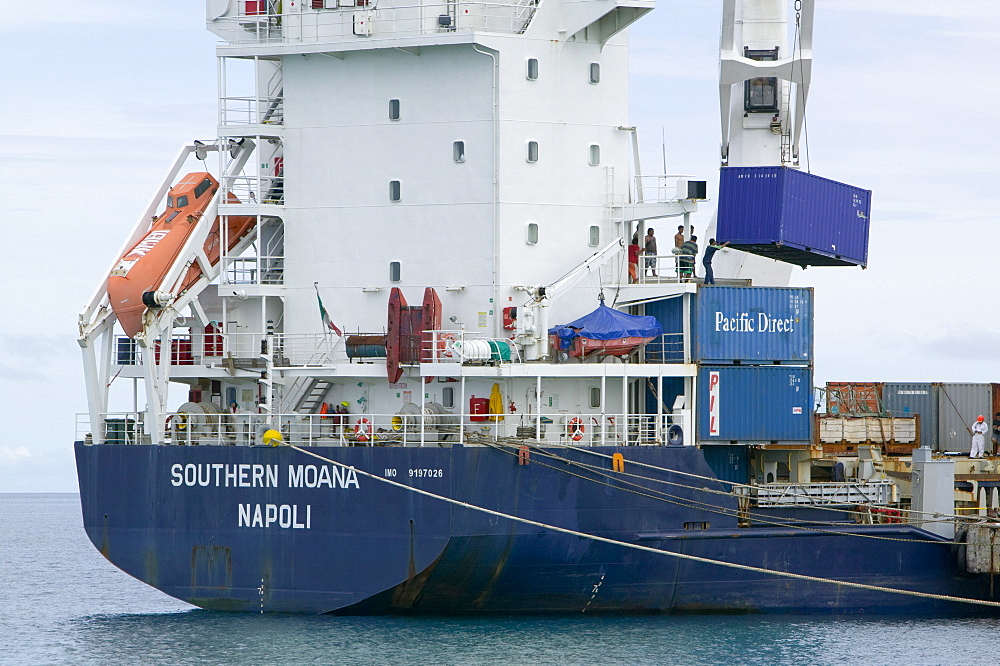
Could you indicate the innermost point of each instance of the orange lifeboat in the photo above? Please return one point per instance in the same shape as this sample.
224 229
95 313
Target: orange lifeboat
140 272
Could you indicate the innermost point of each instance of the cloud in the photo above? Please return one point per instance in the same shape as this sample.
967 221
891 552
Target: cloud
14 452
966 9
962 345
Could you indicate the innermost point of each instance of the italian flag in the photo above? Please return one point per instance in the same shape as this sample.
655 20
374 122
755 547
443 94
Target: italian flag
324 314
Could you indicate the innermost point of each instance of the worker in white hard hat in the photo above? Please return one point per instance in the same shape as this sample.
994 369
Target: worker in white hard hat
979 430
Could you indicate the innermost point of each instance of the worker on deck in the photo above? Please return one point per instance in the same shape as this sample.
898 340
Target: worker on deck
706 261
651 251
979 430
685 261
633 259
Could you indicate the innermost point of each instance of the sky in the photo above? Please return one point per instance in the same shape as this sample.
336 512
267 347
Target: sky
99 96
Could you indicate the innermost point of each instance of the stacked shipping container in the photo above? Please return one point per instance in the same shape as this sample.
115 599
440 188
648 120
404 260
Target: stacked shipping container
754 346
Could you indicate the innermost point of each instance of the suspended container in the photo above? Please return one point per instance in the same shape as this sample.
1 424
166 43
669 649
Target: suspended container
958 407
754 404
914 399
793 216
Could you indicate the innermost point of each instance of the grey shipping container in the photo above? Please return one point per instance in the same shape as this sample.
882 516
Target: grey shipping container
763 403
793 216
958 407
903 399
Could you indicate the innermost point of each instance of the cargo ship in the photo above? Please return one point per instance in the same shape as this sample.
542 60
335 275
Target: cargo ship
567 419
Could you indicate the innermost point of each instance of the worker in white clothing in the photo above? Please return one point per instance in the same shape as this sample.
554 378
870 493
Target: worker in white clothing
979 430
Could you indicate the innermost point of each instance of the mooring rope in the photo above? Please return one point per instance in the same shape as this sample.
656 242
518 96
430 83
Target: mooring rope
789 523
935 517
634 546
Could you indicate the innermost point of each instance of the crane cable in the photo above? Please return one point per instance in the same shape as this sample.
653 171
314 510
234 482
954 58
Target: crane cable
657 551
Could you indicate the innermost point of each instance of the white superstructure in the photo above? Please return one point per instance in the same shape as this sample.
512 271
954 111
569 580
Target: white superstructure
481 149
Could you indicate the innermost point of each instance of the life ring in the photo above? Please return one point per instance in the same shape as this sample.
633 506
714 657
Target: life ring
363 429
575 429
447 345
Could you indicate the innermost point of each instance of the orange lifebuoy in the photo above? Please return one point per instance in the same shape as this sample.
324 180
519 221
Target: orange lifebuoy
363 429
575 429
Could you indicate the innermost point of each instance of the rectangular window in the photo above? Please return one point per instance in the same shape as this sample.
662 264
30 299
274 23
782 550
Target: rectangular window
448 397
532 69
458 151
595 72
393 271
393 109
595 236
394 192
760 94
532 151
595 155
202 186
532 233
595 397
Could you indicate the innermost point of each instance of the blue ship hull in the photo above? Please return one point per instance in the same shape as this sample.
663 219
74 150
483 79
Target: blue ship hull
272 529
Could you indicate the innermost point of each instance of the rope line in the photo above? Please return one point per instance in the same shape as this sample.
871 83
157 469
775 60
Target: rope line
935 517
683 556
713 508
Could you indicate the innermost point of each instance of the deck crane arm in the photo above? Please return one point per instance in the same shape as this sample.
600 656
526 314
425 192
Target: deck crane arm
533 324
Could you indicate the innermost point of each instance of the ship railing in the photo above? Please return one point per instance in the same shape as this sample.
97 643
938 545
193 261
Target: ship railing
254 270
660 188
412 425
299 350
257 190
184 350
667 348
826 494
366 18
460 346
251 111
665 268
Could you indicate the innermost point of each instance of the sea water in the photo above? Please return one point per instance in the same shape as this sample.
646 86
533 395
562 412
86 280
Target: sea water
61 602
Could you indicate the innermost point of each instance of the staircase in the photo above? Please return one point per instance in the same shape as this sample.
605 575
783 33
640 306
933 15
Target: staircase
312 397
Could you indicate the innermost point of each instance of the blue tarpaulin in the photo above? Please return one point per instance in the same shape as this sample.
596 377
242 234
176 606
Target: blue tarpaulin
606 323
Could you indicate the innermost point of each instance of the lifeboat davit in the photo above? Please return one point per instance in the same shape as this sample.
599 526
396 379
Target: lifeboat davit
142 269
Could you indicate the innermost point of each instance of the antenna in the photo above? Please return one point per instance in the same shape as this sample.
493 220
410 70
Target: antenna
663 144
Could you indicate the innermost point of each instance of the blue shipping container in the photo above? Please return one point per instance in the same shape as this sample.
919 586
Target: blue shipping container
753 324
747 404
793 216
744 324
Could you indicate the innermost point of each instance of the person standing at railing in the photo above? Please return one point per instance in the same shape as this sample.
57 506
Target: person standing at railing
633 259
651 251
679 238
706 261
685 261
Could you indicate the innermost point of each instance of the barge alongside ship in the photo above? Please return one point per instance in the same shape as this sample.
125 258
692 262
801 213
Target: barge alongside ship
473 453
